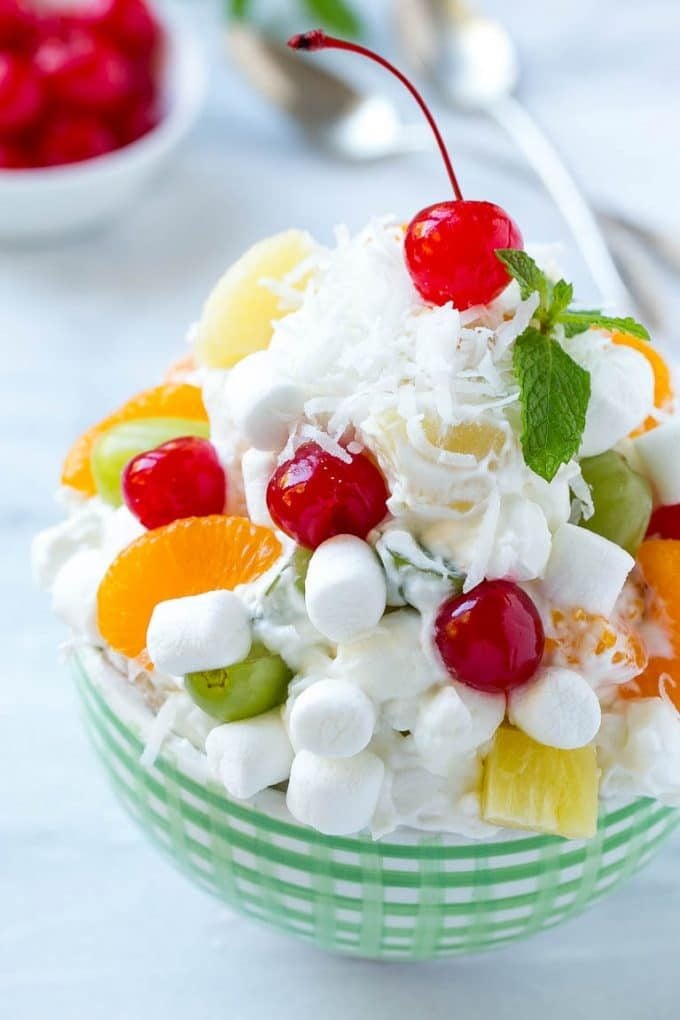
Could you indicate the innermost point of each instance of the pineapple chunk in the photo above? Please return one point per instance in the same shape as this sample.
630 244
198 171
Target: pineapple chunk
530 786
237 317
470 437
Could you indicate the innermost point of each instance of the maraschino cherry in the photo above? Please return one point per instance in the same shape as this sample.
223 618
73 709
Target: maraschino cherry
13 155
490 638
129 24
665 522
316 495
450 247
21 94
180 478
84 72
17 25
73 137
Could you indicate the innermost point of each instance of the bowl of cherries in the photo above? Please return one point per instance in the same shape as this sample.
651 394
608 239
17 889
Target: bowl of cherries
93 98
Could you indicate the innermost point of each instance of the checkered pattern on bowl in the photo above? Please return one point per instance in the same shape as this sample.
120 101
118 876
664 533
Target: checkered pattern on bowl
430 897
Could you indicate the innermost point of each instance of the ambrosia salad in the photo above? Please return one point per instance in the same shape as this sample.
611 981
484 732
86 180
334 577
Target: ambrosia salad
399 538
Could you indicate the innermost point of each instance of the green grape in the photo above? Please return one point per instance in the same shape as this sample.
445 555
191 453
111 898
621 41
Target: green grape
243 690
284 599
116 448
622 499
300 565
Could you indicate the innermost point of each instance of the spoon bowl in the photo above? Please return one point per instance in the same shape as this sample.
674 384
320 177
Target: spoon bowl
349 123
472 57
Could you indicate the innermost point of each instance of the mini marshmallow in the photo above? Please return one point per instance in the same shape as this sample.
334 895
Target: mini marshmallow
585 570
345 589
521 546
250 755
337 796
257 467
557 707
207 631
455 720
658 451
332 718
74 592
389 662
621 390
262 404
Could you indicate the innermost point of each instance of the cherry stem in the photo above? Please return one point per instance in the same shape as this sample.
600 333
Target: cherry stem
318 40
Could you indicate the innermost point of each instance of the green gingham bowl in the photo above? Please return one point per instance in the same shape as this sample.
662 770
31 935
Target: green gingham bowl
429 897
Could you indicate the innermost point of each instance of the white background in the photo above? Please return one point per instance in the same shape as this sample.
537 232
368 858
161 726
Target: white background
92 922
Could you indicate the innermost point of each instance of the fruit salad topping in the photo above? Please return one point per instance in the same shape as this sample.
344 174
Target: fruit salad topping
384 533
450 248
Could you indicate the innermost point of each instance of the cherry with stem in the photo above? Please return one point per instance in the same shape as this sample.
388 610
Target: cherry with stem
450 247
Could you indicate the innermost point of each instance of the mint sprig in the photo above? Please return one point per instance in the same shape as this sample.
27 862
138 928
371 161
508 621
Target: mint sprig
554 394
554 389
555 299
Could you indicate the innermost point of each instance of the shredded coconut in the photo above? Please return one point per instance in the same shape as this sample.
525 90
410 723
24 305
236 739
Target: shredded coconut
160 729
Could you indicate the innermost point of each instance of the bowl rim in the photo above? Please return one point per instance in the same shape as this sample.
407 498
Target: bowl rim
422 846
186 72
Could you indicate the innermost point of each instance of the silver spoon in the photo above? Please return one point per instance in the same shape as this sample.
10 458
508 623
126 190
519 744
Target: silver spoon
474 62
345 121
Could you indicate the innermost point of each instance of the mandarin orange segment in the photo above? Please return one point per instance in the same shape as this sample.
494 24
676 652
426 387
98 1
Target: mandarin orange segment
171 400
663 385
179 370
187 557
659 562
660 678
579 640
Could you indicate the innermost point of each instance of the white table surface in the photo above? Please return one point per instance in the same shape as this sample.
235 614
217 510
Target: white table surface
92 922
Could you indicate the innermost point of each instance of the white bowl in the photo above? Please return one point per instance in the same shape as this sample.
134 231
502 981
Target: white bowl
46 203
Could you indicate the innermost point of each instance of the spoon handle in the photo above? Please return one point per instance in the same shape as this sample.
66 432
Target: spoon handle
546 162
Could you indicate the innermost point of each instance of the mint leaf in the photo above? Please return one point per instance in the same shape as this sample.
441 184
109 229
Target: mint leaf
562 297
554 390
554 394
239 9
579 321
530 278
335 14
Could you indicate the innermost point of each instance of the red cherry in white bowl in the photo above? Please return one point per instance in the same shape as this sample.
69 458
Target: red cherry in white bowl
118 88
17 26
450 248
22 96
